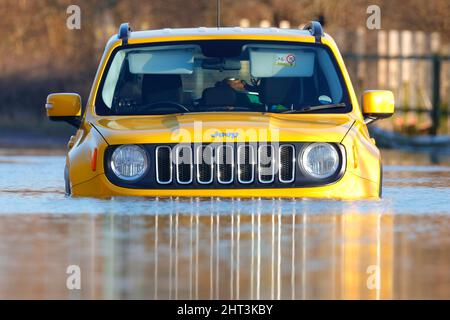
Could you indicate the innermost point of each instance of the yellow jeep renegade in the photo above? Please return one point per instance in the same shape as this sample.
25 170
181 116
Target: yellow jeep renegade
222 112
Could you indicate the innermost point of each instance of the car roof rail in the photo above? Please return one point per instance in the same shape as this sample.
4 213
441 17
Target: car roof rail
124 32
316 30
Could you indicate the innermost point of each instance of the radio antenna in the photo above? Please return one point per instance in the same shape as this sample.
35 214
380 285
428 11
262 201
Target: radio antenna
218 13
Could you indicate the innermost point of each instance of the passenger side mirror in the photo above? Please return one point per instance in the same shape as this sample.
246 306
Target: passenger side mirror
377 104
64 107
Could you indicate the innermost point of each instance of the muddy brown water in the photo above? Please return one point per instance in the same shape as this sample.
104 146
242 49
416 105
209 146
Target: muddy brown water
145 248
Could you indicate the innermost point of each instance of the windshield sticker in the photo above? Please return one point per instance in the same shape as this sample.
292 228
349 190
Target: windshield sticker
285 60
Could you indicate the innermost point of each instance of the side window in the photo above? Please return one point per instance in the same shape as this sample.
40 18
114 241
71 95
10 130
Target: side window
324 86
128 91
330 76
111 79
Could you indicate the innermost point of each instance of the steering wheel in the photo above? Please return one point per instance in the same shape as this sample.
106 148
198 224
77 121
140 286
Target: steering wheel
255 82
152 106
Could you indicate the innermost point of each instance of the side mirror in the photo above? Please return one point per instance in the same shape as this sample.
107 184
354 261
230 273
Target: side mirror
377 104
64 107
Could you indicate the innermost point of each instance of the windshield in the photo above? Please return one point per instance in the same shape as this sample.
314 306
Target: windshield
218 76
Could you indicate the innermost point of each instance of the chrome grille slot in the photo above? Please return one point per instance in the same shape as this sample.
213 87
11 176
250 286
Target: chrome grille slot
225 164
163 160
246 163
184 164
286 163
228 164
266 164
204 164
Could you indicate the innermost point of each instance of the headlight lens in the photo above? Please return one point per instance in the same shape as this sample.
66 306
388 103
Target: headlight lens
129 162
320 160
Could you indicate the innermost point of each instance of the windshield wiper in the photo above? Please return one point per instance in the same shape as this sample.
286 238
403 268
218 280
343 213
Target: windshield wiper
315 108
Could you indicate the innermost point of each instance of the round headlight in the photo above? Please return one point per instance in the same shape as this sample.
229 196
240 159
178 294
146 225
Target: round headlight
320 160
129 162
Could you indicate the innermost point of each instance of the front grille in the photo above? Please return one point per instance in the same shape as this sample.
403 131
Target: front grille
217 164
286 163
163 165
205 164
266 164
225 164
246 161
184 164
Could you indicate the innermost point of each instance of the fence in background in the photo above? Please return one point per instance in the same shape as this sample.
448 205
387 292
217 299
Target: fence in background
420 107
415 65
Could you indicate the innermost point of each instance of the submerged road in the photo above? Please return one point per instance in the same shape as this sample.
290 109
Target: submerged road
395 248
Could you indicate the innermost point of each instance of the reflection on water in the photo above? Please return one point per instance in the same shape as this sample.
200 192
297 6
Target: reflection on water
224 249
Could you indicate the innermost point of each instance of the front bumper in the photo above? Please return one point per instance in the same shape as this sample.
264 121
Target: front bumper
349 187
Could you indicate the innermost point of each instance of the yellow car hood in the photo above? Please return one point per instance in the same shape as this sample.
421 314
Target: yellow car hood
221 126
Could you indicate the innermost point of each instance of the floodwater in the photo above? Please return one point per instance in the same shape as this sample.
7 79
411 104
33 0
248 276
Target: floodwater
396 248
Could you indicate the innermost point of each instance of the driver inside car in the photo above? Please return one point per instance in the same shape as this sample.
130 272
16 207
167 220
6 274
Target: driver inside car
246 95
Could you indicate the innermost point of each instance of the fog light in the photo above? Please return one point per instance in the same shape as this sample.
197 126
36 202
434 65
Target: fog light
129 162
320 160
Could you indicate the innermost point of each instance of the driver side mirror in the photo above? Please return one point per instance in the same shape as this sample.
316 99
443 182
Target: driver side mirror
64 107
377 104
